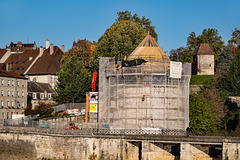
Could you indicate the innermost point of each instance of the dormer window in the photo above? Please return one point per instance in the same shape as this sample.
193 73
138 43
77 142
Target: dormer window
34 95
49 96
42 95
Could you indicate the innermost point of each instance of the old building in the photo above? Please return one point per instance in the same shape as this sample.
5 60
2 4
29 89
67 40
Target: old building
21 47
46 66
204 60
38 65
40 93
150 92
13 96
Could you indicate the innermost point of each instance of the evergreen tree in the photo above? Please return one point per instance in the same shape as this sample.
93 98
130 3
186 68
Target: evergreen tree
73 82
231 81
202 119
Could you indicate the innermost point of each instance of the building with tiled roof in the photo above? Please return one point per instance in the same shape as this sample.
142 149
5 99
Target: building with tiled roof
40 93
4 54
37 64
45 67
21 47
13 90
203 63
19 63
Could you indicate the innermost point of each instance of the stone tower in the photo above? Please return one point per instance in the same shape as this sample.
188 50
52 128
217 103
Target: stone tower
203 63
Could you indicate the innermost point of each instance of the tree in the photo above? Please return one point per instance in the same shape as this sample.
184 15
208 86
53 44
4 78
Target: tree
209 36
201 117
40 109
223 63
118 41
83 49
230 82
144 22
235 37
177 54
73 82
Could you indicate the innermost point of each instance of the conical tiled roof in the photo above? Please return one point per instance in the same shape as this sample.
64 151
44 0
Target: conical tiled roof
149 50
204 48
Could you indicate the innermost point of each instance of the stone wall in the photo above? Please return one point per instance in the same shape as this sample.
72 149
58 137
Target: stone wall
36 144
205 65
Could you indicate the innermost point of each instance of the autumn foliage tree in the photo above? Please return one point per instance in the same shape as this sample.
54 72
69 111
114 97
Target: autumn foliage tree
83 50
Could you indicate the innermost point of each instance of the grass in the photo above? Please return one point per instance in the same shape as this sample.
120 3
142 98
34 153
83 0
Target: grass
200 79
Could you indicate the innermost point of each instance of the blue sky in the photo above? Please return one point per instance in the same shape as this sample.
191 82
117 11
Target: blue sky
64 21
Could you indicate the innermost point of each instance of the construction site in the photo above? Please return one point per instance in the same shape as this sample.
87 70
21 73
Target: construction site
145 91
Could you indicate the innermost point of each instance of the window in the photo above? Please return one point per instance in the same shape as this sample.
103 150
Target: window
12 93
22 93
8 82
12 104
2 81
3 116
49 95
12 82
8 103
18 83
2 92
18 93
16 62
7 115
34 95
23 104
8 92
23 62
2 103
42 95
22 83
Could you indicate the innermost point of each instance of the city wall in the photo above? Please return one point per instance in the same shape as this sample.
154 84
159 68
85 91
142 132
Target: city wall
39 144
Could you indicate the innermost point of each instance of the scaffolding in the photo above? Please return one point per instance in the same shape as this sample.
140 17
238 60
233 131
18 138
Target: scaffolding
143 96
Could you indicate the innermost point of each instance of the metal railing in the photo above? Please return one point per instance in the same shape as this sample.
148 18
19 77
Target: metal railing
89 129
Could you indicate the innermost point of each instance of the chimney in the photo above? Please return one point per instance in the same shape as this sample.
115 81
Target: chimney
63 48
9 67
47 43
51 49
40 51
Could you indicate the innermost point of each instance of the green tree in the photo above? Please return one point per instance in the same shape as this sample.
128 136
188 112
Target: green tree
144 22
209 36
223 62
201 117
83 49
230 82
235 37
177 54
73 82
118 41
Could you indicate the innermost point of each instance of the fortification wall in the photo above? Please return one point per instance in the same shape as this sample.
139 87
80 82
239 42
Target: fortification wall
36 144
